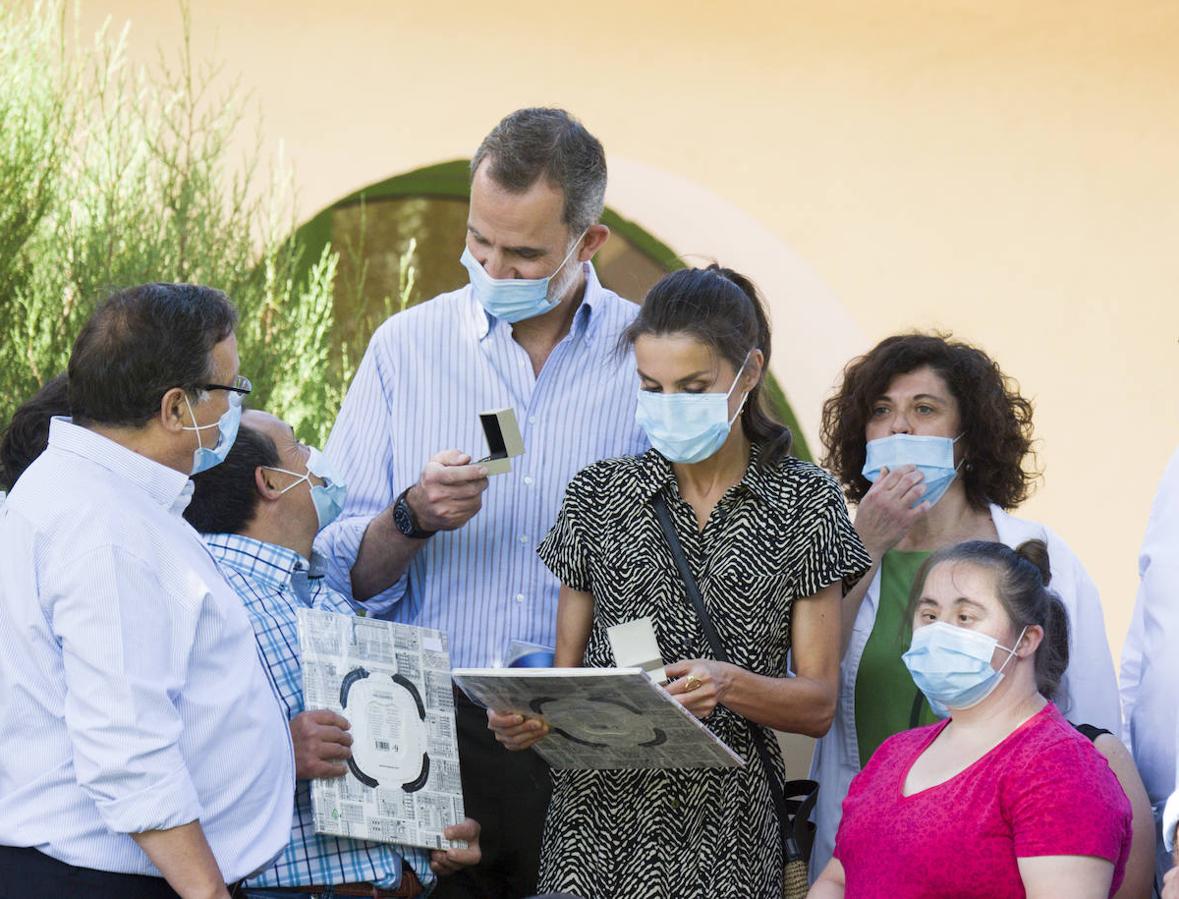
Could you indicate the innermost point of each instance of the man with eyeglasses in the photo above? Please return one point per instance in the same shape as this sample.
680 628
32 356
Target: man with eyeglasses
143 748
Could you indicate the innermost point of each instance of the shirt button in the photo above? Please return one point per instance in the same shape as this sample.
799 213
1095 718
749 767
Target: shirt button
519 597
523 538
532 419
528 479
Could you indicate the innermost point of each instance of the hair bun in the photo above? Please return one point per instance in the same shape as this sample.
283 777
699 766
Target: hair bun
1036 552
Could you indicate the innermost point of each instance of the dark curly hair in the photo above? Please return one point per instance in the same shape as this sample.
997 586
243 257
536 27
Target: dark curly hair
27 433
996 420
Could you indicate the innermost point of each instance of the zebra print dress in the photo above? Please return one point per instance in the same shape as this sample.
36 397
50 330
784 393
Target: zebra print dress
781 534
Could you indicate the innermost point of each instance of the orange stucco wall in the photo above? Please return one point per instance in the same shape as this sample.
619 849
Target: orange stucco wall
1003 169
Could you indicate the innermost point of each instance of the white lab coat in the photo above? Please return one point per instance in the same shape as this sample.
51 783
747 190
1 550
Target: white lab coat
1089 692
1150 658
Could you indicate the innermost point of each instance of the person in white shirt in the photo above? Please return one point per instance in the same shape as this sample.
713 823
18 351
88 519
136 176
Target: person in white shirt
143 748
1169 825
1150 660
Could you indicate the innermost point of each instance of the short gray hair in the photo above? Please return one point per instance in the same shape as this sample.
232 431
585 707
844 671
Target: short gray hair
540 142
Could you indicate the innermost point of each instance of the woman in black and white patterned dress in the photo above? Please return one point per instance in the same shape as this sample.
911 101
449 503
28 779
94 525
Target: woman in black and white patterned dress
769 542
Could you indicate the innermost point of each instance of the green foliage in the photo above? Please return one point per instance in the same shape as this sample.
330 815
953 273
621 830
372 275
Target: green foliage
112 176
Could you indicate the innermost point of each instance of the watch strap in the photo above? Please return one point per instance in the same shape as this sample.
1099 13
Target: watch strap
403 513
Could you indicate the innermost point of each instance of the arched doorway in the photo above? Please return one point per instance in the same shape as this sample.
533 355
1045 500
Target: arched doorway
400 239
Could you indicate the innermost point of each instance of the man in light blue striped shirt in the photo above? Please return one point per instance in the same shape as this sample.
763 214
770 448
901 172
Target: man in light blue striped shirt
426 537
259 512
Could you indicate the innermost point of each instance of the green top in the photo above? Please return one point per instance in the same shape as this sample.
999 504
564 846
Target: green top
885 693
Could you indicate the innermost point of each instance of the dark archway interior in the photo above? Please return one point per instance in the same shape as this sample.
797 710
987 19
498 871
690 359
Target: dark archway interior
399 243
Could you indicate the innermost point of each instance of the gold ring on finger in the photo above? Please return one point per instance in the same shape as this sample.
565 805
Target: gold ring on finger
691 682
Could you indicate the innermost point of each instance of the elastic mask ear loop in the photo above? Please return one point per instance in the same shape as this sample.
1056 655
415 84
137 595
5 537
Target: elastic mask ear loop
293 474
959 466
1011 653
195 426
553 277
736 381
580 237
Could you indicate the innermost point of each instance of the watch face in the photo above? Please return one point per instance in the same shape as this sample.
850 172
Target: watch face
403 518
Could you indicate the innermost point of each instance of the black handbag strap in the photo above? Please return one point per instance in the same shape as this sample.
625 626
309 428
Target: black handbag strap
663 513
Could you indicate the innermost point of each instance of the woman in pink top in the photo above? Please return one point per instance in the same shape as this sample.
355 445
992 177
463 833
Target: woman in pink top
1004 798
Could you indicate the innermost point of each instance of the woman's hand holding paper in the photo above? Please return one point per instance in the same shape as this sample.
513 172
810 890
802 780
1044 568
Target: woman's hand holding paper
700 685
515 731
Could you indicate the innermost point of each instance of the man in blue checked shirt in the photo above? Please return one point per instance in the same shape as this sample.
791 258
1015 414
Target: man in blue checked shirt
259 512
426 537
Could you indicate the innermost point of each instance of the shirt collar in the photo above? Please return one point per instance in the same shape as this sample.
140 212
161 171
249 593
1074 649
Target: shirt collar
585 321
655 472
271 564
166 486
1014 531
183 499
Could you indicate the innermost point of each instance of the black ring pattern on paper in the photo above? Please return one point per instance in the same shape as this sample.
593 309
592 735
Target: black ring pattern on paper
359 674
352 677
537 705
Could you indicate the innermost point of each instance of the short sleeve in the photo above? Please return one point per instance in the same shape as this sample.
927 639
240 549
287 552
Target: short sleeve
872 791
565 551
1071 805
862 783
826 548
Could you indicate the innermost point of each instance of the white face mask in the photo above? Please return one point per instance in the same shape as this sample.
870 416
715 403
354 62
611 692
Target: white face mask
327 497
952 665
514 299
204 457
932 456
688 427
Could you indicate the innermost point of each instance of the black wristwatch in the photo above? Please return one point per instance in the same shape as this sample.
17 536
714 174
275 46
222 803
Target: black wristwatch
406 521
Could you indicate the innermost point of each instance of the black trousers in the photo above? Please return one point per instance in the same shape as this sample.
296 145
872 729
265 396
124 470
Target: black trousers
508 794
29 874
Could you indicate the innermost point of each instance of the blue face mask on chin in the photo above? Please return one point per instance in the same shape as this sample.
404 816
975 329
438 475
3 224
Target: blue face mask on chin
203 457
933 457
513 299
687 427
327 497
952 665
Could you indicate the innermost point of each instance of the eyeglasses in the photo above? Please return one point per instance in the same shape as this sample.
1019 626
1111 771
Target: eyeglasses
241 385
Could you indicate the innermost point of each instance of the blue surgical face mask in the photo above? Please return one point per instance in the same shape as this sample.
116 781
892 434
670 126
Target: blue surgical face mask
329 496
203 457
933 456
687 427
513 299
952 665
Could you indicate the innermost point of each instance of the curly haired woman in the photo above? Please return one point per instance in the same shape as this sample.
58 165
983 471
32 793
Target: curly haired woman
929 438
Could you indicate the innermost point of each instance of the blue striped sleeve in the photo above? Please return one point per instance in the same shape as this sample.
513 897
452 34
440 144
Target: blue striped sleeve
361 449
